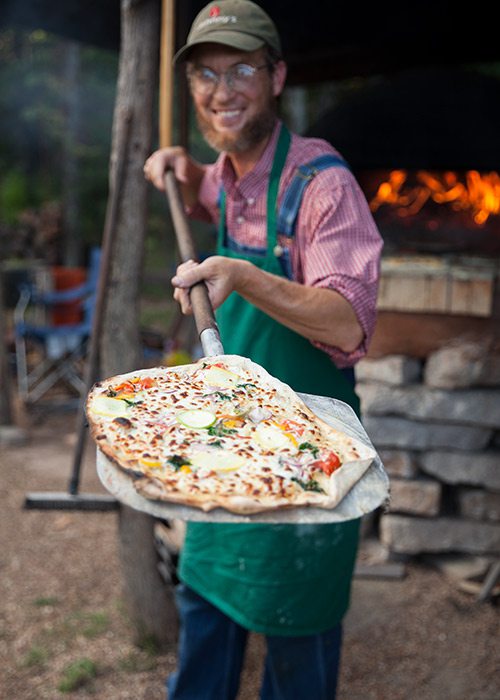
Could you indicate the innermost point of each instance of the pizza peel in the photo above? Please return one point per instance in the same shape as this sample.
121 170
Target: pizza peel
369 492
203 313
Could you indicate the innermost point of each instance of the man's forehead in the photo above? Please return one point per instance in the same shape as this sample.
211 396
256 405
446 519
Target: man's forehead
212 52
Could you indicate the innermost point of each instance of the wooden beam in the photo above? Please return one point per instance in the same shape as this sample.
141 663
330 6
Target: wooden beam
166 90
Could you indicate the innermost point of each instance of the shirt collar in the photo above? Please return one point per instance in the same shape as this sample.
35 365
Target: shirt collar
252 182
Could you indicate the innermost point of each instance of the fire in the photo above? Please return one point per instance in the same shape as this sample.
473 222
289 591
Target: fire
478 194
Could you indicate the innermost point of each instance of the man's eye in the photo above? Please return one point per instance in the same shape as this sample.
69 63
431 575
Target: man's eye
206 75
243 70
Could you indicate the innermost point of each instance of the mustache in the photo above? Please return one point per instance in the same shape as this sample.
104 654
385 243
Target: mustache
251 134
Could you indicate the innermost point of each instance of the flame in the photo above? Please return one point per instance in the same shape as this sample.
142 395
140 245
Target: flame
479 194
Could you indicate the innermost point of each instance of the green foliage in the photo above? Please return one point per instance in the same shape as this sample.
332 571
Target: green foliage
95 625
149 644
36 656
46 601
13 195
89 624
77 674
48 118
137 662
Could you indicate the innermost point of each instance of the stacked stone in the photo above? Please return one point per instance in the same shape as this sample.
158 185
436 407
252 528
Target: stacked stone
436 426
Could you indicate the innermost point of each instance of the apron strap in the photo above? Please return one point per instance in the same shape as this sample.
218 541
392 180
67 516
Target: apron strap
279 160
274 182
293 196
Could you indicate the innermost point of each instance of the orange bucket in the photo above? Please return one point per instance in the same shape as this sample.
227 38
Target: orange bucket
67 278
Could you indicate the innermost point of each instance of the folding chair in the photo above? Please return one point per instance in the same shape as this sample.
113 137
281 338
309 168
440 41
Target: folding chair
61 345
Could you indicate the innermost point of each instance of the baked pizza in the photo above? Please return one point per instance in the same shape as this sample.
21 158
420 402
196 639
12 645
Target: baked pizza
222 433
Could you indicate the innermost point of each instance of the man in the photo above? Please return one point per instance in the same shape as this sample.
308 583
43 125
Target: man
299 301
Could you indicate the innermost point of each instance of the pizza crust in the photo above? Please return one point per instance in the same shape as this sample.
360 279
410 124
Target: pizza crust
242 505
190 491
339 484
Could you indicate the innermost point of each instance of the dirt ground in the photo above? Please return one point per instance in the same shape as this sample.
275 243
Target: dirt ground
64 631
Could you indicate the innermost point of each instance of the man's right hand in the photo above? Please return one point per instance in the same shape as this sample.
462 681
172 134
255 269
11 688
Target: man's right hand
187 171
221 276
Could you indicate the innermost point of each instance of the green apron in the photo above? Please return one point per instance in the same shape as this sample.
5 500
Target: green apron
274 579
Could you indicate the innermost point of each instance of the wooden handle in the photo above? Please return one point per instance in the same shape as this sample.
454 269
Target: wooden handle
166 87
200 301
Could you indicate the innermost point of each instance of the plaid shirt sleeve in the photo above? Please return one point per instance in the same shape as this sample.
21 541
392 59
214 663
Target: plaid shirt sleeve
336 243
338 246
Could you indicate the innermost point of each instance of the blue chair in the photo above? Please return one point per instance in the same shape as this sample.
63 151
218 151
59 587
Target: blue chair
61 348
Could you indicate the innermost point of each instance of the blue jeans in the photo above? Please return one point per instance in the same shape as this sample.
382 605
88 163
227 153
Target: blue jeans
212 648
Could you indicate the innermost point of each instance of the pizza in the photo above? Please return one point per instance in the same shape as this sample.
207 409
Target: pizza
222 433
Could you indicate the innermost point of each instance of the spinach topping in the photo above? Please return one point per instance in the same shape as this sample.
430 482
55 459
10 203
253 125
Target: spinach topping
218 430
177 461
311 485
223 397
309 446
131 403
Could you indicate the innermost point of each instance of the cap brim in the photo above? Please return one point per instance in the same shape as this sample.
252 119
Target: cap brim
236 40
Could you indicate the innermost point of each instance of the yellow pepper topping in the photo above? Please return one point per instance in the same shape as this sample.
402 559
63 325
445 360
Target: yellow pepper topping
150 462
291 438
289 435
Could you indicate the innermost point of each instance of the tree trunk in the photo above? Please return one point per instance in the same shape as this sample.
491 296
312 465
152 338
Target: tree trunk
120 346
5 403
150 602
73 244
149 599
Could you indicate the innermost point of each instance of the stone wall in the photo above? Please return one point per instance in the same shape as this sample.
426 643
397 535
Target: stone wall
436 425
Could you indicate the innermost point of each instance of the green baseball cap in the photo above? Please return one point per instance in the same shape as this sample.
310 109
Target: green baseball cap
240 24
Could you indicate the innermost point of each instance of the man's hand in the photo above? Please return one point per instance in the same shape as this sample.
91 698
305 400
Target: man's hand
219 274
187 171
318 314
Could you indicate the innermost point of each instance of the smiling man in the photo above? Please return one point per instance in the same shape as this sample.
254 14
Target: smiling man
294 282
236 120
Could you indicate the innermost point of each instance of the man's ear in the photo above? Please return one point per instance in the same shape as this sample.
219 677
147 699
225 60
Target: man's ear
279 77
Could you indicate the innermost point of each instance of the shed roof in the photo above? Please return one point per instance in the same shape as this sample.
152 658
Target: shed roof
321 41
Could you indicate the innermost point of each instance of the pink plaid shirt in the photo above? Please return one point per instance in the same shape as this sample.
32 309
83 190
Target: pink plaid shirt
336 243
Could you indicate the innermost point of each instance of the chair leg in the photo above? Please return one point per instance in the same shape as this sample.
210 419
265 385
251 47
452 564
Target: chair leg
45 384
45 376
73 378
21 368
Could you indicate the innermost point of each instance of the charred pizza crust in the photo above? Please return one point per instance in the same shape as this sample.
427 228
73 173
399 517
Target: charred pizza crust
222 433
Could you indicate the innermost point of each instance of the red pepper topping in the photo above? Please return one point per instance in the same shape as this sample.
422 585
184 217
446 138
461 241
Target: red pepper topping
329 464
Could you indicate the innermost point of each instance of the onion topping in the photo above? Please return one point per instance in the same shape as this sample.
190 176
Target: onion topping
259 414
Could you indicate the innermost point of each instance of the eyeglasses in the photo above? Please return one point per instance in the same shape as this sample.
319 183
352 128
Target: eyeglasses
204 80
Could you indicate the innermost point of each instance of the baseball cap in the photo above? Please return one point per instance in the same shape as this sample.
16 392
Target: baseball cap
240 24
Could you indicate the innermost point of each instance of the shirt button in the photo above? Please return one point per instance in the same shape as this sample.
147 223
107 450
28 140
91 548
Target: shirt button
250 201
240 219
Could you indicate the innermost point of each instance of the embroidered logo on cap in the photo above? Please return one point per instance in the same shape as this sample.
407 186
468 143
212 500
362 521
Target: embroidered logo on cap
214 11
217 19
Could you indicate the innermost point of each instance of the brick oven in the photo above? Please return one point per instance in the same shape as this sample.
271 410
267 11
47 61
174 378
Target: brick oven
425 147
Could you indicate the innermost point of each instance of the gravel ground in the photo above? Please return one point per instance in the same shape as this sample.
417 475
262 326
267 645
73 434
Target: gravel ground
64 631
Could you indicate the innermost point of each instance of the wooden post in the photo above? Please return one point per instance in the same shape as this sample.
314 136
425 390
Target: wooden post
167 50
149 601
5 402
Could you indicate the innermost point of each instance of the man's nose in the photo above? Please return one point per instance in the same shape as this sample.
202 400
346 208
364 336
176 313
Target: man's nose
224 85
